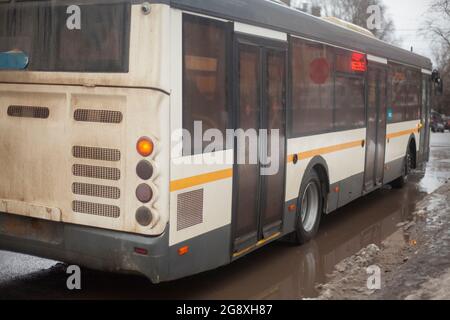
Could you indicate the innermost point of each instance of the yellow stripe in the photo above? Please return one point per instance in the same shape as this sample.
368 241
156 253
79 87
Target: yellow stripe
327 150
264 241
240 253
401 133
258 244
339 147
200 180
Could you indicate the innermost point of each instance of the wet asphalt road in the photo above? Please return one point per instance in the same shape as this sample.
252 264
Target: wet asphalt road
279 271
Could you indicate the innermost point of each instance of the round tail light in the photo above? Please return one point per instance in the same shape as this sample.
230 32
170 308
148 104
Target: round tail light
145 146
144 193
144 170
144 216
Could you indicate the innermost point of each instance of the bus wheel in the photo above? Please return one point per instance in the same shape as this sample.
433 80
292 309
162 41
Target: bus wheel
309 209
403 180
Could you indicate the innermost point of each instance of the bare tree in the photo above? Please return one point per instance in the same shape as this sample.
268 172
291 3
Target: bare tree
355 11
436 27
437 23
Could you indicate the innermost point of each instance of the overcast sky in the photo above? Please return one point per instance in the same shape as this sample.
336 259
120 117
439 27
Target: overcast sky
408 16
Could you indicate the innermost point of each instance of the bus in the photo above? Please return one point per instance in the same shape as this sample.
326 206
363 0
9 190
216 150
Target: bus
98 100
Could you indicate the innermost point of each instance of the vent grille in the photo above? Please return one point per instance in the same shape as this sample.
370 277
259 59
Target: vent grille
28 112
94 190
189 209
95 172
96 209
102 116
96 153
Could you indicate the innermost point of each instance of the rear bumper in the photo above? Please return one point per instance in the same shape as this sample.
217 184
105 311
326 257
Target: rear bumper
93 248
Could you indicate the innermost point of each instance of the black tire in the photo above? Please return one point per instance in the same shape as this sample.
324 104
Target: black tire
407 166
309 208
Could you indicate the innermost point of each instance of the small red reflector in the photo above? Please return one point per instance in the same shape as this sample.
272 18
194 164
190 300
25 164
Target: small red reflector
359 62
292 208
141 251
183 250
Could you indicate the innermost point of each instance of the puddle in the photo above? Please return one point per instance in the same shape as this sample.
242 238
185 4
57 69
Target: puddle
279 271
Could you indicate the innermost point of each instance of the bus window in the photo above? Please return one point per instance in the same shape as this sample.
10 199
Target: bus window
99 42
40 31
205 96
349 112
312 88
412 111
398 78
405 86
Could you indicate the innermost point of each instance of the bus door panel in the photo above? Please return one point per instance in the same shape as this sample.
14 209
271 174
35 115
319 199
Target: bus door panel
371 139
381 127
247 179
260 107
425 120
273 193
376 127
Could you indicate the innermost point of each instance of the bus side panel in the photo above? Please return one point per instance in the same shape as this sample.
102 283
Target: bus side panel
344 154
200 216
200 195
398 137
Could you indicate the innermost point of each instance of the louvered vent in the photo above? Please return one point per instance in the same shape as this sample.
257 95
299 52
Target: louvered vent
92 153
28 112
189 209
96 209
95 170
104 173
102 116
94 190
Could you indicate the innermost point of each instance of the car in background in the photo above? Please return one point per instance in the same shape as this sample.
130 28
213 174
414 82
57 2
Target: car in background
447 123
437 122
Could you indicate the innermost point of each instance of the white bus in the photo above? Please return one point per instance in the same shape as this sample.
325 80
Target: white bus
92 93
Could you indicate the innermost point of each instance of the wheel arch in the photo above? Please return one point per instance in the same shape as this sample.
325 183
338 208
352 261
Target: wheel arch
319 164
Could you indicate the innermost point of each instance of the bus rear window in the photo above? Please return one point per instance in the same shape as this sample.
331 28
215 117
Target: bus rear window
51 36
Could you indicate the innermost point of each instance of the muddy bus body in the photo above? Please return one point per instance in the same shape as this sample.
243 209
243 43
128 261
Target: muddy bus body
78 186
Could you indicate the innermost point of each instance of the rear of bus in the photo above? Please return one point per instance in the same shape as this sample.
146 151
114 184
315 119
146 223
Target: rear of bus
84 133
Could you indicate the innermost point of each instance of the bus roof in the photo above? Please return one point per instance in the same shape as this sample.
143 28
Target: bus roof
269 14
275 16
